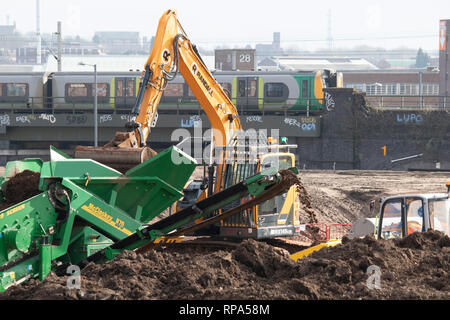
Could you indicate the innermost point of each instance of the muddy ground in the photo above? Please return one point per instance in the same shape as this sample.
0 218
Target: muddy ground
417 267
344 196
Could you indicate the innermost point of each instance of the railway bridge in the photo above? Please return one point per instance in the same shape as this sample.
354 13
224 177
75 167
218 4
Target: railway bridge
352 131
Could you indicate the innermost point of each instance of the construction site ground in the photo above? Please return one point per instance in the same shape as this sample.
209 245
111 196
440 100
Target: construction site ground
417 267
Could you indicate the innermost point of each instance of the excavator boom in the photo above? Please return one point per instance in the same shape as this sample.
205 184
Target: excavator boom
172 52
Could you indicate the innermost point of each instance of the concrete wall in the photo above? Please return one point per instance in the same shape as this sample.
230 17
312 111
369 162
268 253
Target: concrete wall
356 136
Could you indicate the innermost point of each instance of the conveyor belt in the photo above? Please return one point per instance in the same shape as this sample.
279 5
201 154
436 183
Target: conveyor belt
288 178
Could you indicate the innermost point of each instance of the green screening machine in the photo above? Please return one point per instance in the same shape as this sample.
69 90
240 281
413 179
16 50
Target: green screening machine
84 211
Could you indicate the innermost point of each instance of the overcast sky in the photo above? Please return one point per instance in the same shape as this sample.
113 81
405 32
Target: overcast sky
304 24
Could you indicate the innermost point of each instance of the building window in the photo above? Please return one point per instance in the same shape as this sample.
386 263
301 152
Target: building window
409 89
371 89
358 86
430 89
16 89
390 89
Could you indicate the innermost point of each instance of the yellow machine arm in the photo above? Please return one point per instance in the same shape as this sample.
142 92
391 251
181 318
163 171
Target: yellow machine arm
173 52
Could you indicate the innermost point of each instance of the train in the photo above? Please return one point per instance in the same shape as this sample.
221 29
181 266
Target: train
249 91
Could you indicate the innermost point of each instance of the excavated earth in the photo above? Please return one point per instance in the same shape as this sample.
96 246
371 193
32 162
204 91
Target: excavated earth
20 187
417 267
344 196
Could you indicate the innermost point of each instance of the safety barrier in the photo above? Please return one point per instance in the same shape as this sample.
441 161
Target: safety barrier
337 231
320 232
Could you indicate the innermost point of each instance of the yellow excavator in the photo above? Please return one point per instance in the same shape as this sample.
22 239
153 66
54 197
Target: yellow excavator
173 52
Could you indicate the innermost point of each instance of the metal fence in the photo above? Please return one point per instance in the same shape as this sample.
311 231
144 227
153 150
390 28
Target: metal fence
117 105
408 102
321 232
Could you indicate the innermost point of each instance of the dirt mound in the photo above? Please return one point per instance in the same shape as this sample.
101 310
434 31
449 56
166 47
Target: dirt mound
20 187
417 267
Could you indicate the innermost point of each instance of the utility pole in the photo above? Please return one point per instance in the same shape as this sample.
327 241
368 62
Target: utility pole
38 33
95 108
59 46
330 34
420 90
95 101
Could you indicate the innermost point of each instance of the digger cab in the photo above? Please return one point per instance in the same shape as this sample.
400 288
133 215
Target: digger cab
277 217
403 215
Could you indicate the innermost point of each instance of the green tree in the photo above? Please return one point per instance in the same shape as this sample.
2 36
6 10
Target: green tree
422 59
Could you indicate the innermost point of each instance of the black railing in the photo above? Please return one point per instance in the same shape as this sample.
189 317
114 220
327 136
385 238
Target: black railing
116 105
408 101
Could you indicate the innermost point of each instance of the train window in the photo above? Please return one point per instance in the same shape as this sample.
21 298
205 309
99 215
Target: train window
252 88
190 93
174 90
241 88
1 89
131 88
226 86
128 91
305 91
16 89
102 90
77 90
273 90
119 89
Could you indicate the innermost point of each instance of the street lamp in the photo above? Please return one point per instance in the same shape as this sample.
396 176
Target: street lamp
95 101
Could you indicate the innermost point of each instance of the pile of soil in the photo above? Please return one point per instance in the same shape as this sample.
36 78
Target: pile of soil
417 267
20 187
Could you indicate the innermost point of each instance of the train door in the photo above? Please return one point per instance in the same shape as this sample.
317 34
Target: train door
125 92
247 93
305 91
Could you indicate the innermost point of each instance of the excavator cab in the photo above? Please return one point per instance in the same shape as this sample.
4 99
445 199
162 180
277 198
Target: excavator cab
276 217
401 216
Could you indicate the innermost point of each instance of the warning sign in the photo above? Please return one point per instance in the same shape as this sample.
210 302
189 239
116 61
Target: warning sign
443 35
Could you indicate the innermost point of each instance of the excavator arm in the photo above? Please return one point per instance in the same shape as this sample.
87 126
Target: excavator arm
172 52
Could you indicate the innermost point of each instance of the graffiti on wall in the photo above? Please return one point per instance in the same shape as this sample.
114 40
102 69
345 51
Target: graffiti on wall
305 124
407 118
